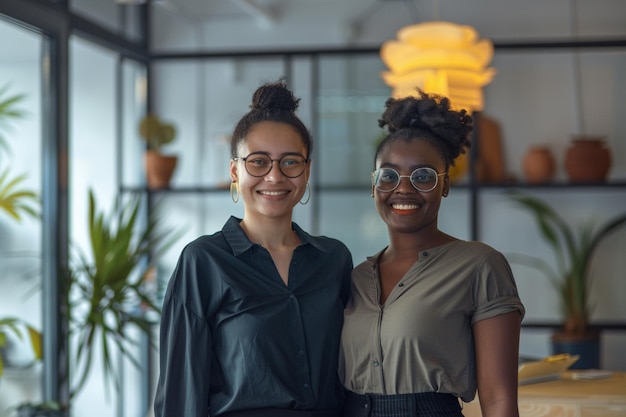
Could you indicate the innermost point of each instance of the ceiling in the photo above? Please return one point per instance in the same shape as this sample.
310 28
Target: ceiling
268 12
286 24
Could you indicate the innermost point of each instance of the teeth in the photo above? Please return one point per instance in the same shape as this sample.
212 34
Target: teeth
405 206
272 192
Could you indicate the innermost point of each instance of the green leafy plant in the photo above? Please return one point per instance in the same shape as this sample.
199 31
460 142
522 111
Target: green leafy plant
156 133
14 325
8 111
14 200
105 289
573 248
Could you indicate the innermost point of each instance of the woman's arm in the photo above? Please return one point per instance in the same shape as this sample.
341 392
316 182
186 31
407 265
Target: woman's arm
496 342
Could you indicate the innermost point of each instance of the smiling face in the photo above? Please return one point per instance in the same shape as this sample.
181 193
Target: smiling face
274 194
405 209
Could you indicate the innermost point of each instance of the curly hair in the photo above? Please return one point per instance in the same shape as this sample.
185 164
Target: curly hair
428 117
271 102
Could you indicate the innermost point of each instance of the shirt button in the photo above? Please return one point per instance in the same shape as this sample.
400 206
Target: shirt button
424 253
305 385
292 296
366 405
401 284
376 363
300 352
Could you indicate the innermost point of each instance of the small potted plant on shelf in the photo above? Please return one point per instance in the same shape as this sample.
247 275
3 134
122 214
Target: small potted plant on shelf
159 167
573 249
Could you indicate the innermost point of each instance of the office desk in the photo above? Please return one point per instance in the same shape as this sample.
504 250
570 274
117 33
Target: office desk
568 397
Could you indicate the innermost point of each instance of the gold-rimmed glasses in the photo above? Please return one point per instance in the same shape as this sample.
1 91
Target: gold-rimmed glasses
423 179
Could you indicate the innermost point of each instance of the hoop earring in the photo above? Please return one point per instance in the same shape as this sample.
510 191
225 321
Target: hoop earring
234 192
308 188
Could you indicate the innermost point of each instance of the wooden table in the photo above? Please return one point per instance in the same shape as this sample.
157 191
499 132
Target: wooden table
569 397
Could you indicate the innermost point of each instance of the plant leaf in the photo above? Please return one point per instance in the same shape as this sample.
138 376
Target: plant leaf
108 286
8 110
16 202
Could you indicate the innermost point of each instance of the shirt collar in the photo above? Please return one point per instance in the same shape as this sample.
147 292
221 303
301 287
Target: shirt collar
239 242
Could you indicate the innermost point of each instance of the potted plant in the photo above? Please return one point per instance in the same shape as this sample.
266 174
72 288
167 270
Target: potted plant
159 167
106 292
573 248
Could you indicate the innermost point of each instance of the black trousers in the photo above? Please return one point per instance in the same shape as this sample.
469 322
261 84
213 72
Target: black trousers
427 404
281 412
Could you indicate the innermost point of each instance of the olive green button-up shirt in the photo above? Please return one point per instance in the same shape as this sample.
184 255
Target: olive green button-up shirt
420 339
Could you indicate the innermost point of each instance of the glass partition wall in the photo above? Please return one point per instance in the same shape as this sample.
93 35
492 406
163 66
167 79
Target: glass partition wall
21 236
79 113
106 104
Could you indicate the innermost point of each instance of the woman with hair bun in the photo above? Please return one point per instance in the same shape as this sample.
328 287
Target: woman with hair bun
252 316
432 318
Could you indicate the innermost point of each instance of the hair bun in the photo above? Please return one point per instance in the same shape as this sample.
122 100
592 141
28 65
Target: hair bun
274 96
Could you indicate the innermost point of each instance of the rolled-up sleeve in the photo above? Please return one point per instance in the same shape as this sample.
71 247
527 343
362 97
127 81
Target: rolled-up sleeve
495 291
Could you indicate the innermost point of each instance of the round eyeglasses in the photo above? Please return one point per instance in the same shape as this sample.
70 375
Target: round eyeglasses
423 179
259 164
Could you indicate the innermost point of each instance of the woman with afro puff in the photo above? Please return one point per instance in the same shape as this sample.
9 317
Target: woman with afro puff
432 318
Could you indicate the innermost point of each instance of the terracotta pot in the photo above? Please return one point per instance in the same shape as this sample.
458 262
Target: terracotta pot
587 159
159 169
538 165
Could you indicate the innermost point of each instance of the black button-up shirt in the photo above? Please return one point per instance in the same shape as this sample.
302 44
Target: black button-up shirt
235 337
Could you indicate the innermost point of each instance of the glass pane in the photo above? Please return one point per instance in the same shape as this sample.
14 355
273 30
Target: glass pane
92 165
204 100
123 19
20 242
98 162
351 101
134 90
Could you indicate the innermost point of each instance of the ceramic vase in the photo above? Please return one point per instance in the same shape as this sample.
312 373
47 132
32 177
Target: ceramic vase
587 160
538 165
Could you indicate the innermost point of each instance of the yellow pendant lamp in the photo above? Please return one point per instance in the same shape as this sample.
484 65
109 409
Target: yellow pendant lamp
442 58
